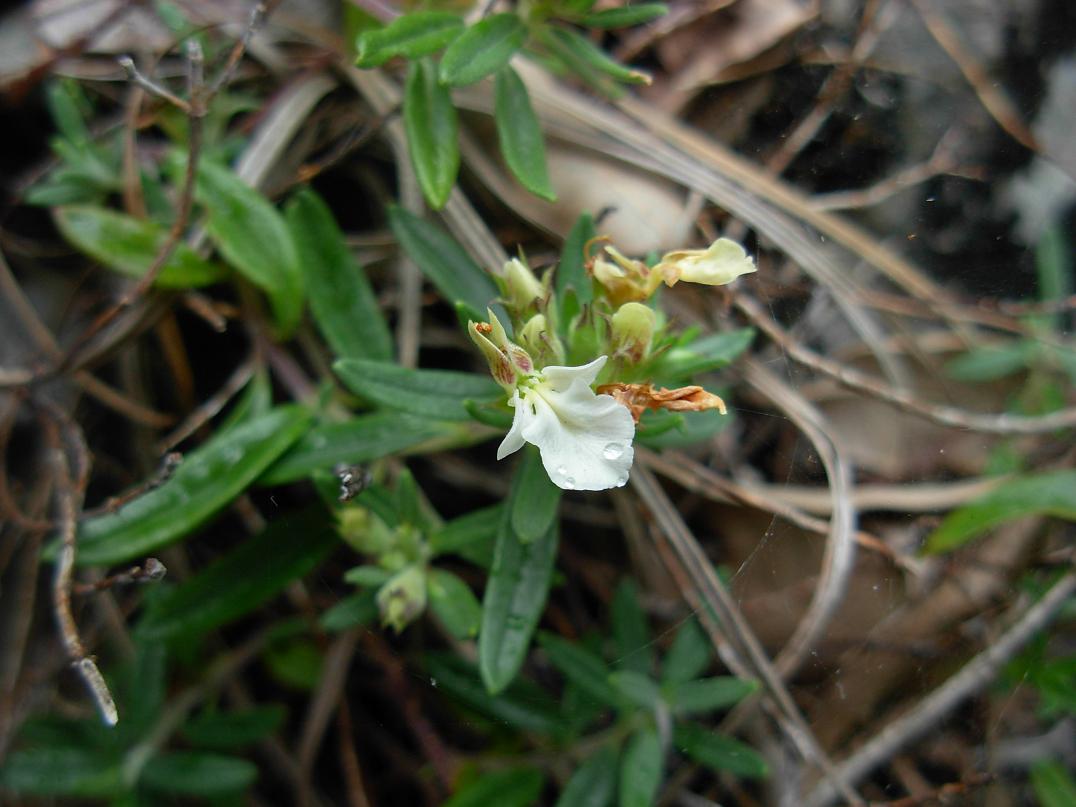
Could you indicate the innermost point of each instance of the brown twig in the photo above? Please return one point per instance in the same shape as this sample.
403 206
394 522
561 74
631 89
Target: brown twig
211 405
150 571
71 477
860 382
972 678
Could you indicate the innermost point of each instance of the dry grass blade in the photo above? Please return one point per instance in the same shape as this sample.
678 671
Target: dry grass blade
972 678
712 599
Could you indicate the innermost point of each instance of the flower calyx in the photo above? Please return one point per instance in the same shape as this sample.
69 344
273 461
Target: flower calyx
524 293
508 362
541 341
632 331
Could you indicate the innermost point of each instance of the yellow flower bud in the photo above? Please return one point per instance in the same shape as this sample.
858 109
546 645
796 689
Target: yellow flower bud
632 330
541 341
522 288
625 280
403 598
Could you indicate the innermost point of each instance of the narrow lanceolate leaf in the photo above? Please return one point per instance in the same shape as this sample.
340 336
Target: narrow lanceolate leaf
431 125
520 134
588 59
636 652
428 393
636 688
624 16
58 771
640 770
571 274
584 669
205 481
366 438
703 355
1051 494
444 262
594 782
707 694
1053 784
344 305
244 579
515 596
411 35
131 245
689 655
196 773
526 708
230 730
719 752
454 604
252 235
512 788
482 49
534 510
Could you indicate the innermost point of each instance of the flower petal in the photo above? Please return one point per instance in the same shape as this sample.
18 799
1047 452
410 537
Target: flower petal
561 378
722 262
513 441
584 439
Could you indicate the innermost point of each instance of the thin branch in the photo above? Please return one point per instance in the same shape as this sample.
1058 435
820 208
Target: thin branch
211 405
63 436
150 571
860 382
972 678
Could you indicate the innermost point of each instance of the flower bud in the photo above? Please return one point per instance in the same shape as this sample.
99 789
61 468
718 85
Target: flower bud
720 263
507 360
541 341
522 288
403 598
632 330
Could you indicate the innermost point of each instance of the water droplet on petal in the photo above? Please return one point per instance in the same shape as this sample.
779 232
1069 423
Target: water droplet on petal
562 470
569 483
613 451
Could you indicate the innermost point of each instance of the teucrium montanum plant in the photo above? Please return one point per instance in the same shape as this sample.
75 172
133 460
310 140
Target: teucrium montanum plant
582 418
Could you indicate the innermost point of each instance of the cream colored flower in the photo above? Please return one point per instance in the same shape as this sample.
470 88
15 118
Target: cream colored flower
720 263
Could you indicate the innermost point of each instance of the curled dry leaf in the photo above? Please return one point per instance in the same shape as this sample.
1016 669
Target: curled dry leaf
640 397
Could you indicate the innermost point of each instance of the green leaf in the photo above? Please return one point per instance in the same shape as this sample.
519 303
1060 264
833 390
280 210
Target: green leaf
637 688
636 652
520 706
624 16
225 731
593 784
431 126
454 604
295 663
427 393
411 35
719 752
588 59
344 305
689 655
358 609
478 525
706 694
1053 784
367 576
195 773
990 363
1051 494
206 480
641 770
482 49
697 428
84 772
244 578
253 237
363 439
518 787
703 355
535 508
130 245
583 668
515 597
1053 260
571 271
520 134
444 262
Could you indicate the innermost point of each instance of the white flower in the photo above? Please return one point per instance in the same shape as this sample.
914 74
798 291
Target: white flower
584 438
